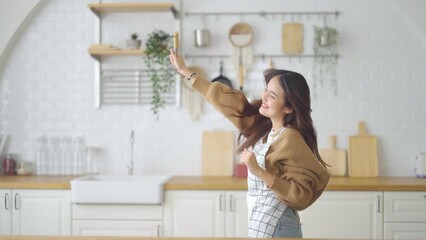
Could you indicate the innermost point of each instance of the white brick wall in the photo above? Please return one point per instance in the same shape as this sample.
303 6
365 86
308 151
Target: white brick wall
381 79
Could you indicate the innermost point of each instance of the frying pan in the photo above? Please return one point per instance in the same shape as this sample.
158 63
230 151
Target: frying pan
221 78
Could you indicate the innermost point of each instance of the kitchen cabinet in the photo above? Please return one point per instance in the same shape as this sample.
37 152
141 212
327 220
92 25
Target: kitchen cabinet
5 212
205 214
344 215
117 220
405 215
35 212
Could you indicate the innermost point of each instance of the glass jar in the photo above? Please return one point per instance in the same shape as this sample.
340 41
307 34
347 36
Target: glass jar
9 165
41 156
54 156
66 156
79 155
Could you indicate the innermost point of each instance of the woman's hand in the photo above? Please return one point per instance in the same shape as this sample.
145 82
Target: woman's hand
178 63
249 159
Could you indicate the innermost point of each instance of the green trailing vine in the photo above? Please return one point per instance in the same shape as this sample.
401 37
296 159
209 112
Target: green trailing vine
159 69
325 67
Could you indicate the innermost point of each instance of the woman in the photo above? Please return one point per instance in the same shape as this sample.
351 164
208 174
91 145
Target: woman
285 170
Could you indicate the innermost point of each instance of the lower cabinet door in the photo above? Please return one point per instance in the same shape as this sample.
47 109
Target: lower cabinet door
237 214
41 212
194 214
205 214
117 228
5 212
406 231
344 215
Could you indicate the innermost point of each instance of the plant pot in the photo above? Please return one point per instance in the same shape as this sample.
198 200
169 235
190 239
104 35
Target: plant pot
326 36
133 43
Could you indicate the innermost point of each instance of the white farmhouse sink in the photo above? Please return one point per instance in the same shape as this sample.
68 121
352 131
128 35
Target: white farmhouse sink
104 189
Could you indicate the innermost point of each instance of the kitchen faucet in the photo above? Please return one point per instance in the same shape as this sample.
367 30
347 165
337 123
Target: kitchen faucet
130 164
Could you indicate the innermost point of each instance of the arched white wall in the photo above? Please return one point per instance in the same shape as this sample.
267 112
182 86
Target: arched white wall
13 16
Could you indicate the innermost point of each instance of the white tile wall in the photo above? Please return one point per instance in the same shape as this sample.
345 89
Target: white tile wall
381 79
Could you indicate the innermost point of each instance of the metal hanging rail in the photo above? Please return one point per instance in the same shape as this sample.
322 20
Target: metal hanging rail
263 56
265 13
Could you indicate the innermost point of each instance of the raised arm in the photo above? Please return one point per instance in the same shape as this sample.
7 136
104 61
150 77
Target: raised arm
226 100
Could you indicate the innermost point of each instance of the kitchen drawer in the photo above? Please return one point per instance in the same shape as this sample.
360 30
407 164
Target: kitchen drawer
117 228
405 207
406 231
117 212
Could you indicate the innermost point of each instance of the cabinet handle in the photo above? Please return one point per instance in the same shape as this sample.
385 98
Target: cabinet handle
231 203
16 201
158 230
221 202
6 202
378 204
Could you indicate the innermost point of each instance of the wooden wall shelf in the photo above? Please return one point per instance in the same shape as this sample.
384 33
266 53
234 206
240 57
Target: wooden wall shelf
99 8
97 53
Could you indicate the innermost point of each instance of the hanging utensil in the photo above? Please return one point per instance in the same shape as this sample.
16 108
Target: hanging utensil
201 37
271 63
221 78
176 41
192 101
241 37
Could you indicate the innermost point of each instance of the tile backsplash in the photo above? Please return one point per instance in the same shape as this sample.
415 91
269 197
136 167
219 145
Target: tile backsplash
381 76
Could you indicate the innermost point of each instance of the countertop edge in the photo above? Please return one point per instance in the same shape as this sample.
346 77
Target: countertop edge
224 183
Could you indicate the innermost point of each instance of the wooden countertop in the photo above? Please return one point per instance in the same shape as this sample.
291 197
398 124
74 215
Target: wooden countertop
36 182
206 183
335 184
226 183
377 184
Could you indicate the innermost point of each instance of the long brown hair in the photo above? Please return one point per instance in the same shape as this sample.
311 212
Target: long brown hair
297 97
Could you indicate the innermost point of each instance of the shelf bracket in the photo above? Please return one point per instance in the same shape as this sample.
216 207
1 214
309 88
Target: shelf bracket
175 12
96 57
97 13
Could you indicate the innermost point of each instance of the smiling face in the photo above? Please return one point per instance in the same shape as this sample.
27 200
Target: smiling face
273 101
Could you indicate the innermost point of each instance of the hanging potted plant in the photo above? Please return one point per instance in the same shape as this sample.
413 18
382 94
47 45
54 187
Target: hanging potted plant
325 36
325 61
159 69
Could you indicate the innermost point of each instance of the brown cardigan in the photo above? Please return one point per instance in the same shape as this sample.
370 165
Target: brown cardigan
299 177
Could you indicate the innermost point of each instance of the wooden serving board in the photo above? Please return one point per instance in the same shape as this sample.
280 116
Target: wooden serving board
363 154
218 149
334 157
292 38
